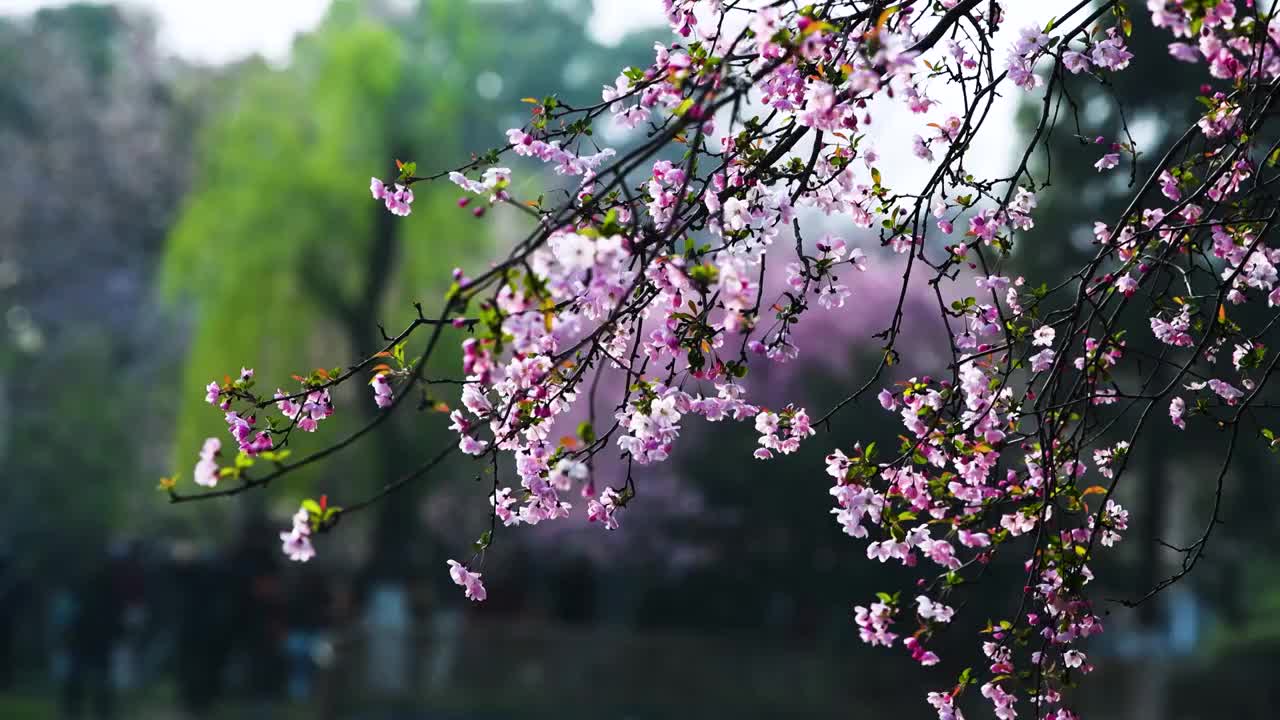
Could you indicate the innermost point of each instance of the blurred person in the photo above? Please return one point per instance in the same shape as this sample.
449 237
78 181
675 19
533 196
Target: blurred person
94 628
127 580
203 628
62 612
307 638
334 677
388 627
257 621
12 595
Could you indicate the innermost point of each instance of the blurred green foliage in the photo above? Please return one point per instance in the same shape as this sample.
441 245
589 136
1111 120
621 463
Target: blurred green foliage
284 262
276 257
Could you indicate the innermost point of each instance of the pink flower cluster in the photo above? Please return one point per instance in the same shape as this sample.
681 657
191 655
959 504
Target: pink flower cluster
781 432
493 183
296 541
565 162
207 471
468 580
397 197
242 430
305 412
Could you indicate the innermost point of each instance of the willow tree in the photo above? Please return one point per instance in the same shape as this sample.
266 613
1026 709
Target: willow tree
371 82
347 95
92 121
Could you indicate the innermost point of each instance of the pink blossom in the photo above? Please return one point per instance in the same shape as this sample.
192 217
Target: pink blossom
945 704
604 509
1226 391
874 623
919 653
397 198
1108 161
383 393
207 472
930 610
1169 186
1176 408
887 400
1042 361
1043 336
1075 62
1111 52
470 581
1184 52
296 542
307 412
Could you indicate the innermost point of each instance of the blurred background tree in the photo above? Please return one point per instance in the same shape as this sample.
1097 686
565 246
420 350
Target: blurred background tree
376 81
94 155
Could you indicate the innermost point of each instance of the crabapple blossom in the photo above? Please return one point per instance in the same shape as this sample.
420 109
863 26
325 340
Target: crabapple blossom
306 411
1044 336
383 393
296 542
656 287
206 472
470 581
1177 407
604 509
397 197
492 183
919 653
874 623
930 610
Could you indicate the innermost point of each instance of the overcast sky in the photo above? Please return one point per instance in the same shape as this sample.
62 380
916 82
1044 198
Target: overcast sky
222 30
